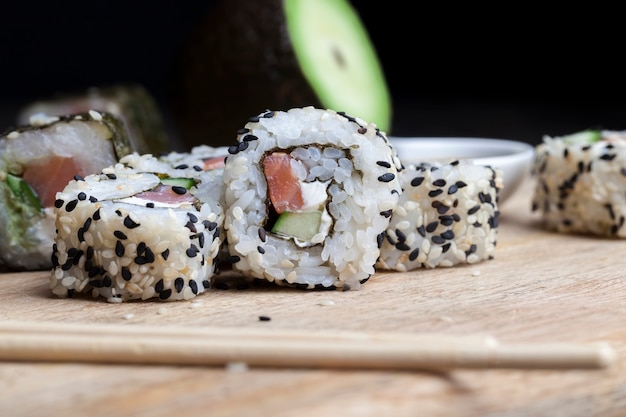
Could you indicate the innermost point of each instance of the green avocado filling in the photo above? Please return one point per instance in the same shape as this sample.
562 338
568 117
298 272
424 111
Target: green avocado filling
583 137
179 182
21 205
302 226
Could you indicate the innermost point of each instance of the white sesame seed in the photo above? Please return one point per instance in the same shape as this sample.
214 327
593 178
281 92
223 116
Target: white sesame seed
95 115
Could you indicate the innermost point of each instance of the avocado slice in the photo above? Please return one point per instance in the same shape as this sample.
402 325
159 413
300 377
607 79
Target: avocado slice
248 56
300 225
583 137
23 193
179 182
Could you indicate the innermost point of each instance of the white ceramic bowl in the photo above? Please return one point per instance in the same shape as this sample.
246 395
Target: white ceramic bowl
512 157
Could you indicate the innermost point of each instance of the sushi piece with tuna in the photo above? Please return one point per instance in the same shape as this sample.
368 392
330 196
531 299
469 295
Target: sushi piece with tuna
581 183
447 215
308 195
128 234
37 161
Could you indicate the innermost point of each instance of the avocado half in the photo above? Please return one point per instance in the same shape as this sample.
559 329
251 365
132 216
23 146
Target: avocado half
248 56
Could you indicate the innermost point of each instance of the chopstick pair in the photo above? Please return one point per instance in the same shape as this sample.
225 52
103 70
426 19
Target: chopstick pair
142 344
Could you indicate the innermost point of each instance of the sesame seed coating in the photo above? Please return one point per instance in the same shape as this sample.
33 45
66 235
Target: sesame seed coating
581 185
115 247
438 227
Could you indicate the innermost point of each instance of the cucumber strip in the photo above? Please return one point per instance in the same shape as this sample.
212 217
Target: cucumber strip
180 182
23 192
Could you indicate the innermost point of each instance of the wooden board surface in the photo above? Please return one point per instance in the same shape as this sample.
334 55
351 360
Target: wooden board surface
541 287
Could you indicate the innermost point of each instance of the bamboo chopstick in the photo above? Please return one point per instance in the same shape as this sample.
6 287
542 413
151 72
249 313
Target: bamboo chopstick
141 344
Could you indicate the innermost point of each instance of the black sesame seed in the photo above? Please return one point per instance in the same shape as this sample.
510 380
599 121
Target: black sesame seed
432 226
164 295
260 249
150 205
262 234
421 231
400 235
201 240
379 239
453 189
181 166
439 183
417 181
384 164
178 189
119 249
111 176
414 254
438 239
106 281
264 318
58 203
448 235
194 287
402 246
242 146
192 217
120 235
78 178
96 283
192 251
386 213
435 193
249 138
159 286
179 284
233 259
126 274
165 254
96 215
191 226
82 196
473 209
71 205
446 220
388 177
130 223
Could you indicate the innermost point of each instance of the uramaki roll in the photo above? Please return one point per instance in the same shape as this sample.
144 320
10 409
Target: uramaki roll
308 195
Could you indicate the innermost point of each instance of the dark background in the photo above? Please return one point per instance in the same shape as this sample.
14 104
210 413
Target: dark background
515 72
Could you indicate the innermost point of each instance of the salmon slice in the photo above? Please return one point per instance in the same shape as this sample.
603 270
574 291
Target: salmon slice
167 194
214 163
282 184
49 175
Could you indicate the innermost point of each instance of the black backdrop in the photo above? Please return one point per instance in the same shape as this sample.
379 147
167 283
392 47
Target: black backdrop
516 73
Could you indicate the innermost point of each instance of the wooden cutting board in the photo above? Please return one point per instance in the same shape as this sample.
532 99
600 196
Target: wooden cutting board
540 287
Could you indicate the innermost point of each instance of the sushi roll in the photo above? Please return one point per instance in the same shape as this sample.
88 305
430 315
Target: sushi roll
186 164
581 183
126 234
132 104
308 195
36 161
447 215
